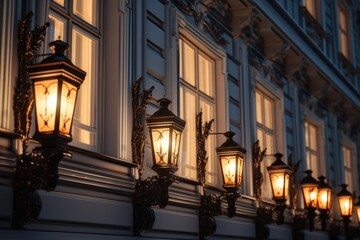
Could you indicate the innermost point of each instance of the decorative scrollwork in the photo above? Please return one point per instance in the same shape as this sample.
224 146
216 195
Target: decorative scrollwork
201 13
258 176
293 183
202 133
139 102
149 192
28 44
210 206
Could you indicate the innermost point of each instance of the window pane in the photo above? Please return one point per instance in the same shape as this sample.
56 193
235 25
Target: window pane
189 64
307 142
84 55
314 164
60 2
313 137
258 108
311 7
181 58
261 138
86 9
188 153
268 113
206 75
57 28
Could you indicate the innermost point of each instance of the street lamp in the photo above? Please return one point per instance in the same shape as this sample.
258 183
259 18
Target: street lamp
231 157
165 134
279 174
357 210
309 187
345 200
324 200
55 82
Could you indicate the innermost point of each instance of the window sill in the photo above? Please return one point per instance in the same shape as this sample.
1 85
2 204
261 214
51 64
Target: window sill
347 64
313 23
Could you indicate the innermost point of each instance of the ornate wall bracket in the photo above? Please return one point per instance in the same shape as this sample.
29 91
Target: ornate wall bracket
258 156
149 192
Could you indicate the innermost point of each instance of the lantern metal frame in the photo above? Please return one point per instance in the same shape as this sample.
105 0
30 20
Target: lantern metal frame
278 166
308 182
37 170
346 217
210 204
324 212
153 190
357 210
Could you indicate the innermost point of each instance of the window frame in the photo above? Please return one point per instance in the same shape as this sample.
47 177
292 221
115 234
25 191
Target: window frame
264 84
204 45
350 145
75 23
345 56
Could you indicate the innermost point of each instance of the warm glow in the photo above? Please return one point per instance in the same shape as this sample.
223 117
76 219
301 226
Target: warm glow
345 203
229 169
324 199
46 103
358 214
176 137
68 97
310 195
160 138
277 180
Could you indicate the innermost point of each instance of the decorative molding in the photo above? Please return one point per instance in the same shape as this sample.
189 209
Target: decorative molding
201 11
268 67
312 103
298 74
246 26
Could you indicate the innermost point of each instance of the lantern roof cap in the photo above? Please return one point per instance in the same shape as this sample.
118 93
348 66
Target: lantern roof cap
358 202
308 179
164 110
344 191
278 163
322 183
59 48
230 144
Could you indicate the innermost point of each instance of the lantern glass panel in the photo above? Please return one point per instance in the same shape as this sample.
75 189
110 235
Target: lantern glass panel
46 103
176 139
345 203
310 195
358 213
228 164
68 98
160 139
324 199
280 184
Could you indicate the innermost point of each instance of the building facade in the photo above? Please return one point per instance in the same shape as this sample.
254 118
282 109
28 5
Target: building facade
282 72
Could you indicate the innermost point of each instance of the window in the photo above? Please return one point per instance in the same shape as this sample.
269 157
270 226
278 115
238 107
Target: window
347 155
76 22
197 92
266 132
344 32
313 7
312 148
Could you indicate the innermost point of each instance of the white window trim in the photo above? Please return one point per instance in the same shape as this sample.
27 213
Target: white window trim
347 142
222 122
313 119
264 84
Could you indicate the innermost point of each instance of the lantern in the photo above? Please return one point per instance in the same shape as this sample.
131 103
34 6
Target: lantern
231 157
279 174
56 82
345 200
324 195
309 187
165 133
357 210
